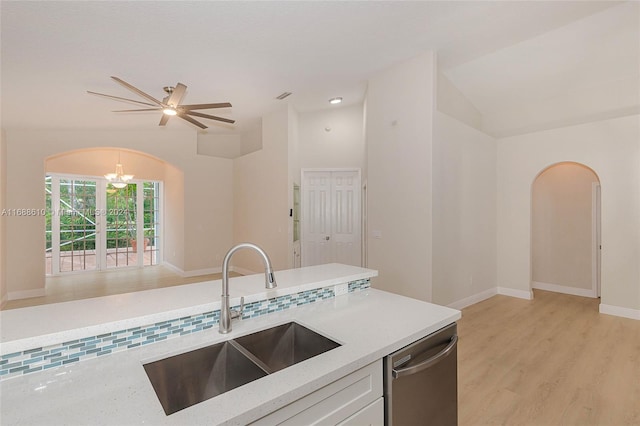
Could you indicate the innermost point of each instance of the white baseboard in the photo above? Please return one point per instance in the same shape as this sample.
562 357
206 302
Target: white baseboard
476 298
620 311
173 268
520 294
194 273
242 271
584 292
25 294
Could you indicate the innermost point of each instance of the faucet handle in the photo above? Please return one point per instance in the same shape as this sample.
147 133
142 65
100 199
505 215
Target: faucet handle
238 314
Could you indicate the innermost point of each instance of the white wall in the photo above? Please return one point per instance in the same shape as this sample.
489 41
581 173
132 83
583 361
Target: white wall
215 145
174 220
3 186
340 147
207 189
208 212
611 148
261 196
451 101
252 139
230 145
400 108
561 226
464 211
583 71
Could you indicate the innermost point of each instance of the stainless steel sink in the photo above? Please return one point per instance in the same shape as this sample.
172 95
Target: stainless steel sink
186 379
285 345
192 377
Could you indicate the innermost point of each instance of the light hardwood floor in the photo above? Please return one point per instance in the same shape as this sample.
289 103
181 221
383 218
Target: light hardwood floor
550 361
64 288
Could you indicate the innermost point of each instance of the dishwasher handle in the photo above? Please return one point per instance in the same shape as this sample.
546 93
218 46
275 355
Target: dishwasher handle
428 362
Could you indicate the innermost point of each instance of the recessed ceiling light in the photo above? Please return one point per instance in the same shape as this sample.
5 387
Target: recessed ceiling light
335 101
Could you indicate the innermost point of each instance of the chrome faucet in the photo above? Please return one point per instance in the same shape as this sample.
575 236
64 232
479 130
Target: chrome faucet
226 313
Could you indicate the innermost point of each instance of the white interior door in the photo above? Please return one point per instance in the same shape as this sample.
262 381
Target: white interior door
316 219
345 209
331 222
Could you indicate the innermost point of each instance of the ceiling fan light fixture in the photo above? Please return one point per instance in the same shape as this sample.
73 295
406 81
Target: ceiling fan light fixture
170 105
335 101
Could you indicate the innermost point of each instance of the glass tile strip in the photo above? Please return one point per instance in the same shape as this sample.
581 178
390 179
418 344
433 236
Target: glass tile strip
43 358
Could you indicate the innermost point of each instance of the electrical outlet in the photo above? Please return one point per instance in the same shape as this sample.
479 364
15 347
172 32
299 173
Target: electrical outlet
341 289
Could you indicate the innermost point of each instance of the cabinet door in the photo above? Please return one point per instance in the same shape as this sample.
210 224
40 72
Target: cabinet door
333 403
371 415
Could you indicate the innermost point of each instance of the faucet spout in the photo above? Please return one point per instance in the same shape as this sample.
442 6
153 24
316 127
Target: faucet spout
226 315
269 279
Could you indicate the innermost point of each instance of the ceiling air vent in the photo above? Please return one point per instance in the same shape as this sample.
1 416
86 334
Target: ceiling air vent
283 95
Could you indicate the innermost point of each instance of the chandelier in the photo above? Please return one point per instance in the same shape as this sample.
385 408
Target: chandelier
118 179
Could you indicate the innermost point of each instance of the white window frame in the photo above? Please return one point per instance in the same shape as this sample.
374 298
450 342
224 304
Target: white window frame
101 225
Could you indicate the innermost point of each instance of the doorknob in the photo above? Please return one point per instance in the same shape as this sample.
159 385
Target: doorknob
327 238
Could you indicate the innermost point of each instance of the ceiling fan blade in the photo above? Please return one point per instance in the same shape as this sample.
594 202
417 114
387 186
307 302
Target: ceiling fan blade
118 98
138 91
135 110
192 121
210 117
164 119
206 106
176 95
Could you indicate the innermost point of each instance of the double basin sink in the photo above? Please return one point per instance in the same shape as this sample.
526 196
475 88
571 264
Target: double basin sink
192 377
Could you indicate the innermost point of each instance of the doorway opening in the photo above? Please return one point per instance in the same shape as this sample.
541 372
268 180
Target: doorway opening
565 230
93 226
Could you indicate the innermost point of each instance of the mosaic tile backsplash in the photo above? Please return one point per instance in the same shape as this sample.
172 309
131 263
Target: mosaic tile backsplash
38 359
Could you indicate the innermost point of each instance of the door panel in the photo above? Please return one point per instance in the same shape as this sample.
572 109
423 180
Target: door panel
316 224
346 229
75 228
122 226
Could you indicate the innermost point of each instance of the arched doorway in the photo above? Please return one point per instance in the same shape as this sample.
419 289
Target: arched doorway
565 230
94 224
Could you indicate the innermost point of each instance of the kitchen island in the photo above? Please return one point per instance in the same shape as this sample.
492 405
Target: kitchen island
115 390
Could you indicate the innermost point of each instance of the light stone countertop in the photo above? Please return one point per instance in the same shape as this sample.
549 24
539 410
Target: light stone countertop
27 328
114 389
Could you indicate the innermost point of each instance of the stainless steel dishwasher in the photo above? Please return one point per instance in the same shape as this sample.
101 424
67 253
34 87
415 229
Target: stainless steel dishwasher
421 381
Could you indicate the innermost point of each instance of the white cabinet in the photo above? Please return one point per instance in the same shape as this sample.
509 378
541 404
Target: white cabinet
353 399
371 415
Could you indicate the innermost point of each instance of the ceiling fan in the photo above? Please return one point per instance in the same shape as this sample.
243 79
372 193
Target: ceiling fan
170 104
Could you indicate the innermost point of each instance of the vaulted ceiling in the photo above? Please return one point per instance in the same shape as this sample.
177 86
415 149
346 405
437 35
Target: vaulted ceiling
504 56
